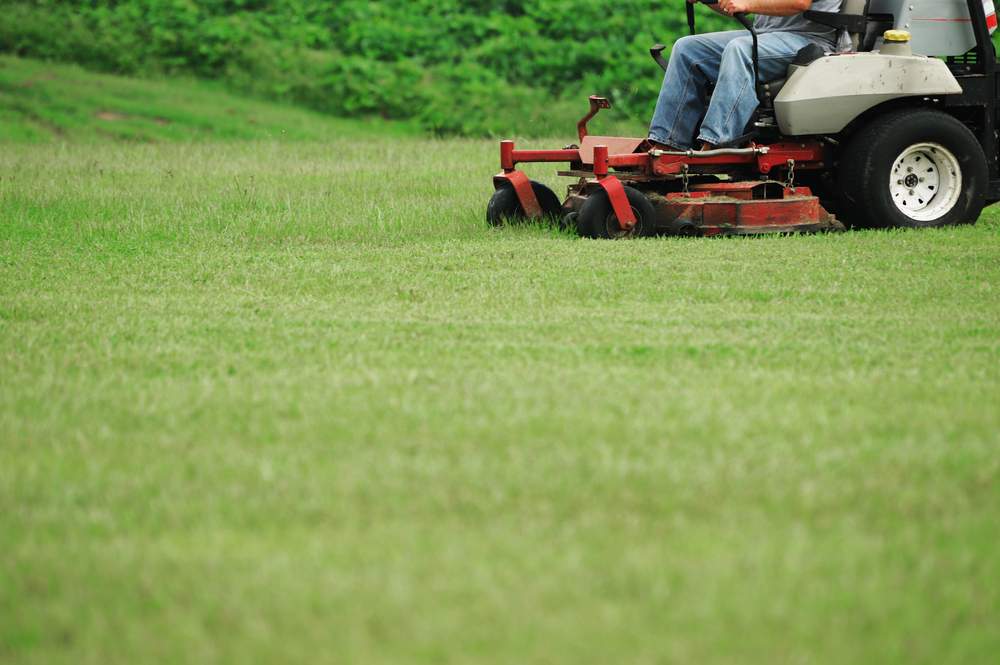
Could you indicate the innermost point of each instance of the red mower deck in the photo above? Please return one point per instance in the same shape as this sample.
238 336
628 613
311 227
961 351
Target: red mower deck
609 166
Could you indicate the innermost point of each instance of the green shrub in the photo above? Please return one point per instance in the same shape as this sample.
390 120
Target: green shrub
471 67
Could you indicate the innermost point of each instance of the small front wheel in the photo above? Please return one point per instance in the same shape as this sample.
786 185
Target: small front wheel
598 216
505 208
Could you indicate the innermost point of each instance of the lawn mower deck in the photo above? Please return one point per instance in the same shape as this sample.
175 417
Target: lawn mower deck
623 181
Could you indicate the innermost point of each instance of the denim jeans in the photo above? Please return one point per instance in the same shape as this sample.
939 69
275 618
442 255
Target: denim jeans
723 58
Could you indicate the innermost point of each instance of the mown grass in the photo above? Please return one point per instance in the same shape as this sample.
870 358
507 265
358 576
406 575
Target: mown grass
273 401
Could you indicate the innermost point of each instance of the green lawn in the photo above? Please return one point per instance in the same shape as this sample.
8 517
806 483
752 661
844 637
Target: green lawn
270 401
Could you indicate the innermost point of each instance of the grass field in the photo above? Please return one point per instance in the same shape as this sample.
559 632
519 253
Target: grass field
272 401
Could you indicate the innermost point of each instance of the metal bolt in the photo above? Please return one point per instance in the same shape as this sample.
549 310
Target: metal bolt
911 192
922 179
909 169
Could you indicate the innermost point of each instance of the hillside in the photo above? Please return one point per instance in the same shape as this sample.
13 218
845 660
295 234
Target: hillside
41 101
469 68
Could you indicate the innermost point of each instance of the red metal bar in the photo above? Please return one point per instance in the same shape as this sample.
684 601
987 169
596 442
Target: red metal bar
600 160
806 155
525 194
667 164
596 104
524 156
507 155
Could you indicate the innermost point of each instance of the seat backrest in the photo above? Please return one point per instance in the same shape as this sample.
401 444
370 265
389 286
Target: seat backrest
859 7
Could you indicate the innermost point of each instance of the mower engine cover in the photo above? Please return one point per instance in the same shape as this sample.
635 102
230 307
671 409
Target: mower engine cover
832 91
937 27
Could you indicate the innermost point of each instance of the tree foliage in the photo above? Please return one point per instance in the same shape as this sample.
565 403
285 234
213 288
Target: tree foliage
469 67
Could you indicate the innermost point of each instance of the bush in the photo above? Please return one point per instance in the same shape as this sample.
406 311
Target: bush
470 67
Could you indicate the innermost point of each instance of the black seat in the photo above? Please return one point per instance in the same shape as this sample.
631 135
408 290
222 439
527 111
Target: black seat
853 17
805 57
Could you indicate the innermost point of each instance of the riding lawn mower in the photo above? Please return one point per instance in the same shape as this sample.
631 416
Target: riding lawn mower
900 131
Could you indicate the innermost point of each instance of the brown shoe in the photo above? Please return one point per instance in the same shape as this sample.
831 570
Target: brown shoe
656 145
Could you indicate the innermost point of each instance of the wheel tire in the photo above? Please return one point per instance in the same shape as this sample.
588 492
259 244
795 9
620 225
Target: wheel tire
599 218
570 222
683 228
505 208
582 229
913 169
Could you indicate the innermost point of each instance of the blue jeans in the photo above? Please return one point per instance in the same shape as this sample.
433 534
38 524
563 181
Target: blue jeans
723 58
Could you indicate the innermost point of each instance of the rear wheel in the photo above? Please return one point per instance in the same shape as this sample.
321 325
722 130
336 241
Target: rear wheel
505 208
598 216
913 169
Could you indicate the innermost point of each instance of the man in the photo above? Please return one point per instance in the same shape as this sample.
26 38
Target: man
725 58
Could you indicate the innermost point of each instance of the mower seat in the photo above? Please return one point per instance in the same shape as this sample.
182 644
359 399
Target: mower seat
853 16
805 57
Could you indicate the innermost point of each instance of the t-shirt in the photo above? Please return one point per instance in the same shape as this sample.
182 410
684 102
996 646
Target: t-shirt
817 33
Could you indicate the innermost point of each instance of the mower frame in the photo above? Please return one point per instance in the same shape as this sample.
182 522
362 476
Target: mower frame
760 194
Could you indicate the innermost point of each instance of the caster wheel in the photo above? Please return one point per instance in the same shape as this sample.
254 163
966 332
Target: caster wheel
598 216
505 208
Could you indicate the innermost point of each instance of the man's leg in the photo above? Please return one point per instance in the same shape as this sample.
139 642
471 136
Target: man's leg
694 63
734 99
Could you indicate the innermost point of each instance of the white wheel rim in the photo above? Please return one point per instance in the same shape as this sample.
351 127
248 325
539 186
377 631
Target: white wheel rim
926 181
